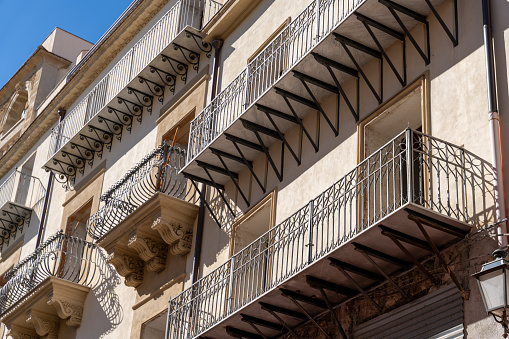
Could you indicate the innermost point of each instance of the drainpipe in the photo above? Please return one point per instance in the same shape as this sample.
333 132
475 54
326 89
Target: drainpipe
61 113
496 144
217 44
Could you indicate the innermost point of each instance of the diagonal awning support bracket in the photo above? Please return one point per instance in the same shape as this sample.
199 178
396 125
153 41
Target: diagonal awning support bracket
382 272
347 43
235 141
439 256
451 35
262 148
298 121
416 262
234 177
394 8
370 23
291 295
359 288
330 64
203 199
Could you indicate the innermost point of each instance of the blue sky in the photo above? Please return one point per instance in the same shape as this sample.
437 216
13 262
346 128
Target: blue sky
25 24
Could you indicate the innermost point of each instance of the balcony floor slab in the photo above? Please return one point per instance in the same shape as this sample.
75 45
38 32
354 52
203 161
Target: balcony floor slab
370 237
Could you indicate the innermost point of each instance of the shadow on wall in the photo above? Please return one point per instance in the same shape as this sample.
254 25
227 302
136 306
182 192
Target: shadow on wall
106 300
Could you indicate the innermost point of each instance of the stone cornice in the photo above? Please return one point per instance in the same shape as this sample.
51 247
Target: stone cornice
34 62
79 82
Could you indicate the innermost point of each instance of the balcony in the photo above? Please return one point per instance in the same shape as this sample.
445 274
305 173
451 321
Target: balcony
414 197
316 56
168 53
51 284
20 194
146 215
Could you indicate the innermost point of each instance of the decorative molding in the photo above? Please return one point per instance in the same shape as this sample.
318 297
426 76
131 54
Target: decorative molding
18 332
44 324
150 251
174 234
128 267
72 313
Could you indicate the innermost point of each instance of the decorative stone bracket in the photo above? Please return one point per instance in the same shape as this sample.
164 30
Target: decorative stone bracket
160 227
39 314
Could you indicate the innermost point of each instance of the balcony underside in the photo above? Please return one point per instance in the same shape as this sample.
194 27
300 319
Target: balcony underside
323 72
13 217
179 61
349 271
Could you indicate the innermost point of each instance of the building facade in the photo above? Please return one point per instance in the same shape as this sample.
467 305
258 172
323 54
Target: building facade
257 169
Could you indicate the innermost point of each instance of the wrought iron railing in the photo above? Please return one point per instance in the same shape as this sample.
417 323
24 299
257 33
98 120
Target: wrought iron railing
289 47
157 172
412 168
194 13
61 256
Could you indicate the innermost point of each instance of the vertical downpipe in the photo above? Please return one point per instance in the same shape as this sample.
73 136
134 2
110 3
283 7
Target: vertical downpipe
217 44
61 113
496 148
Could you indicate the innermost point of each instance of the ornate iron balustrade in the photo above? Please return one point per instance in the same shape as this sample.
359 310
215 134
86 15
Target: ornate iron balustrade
412 168
185 13
61 256
19 195
284 52
157 172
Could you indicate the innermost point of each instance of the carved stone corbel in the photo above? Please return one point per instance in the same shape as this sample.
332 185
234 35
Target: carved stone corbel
45 325
128 267
18 332
150 251
177 237
70 312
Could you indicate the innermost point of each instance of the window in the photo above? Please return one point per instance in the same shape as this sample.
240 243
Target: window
179 134
26 184
15 110
155 327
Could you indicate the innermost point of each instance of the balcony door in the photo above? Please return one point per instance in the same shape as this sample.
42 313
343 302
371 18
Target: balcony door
383 180
251 246
72 254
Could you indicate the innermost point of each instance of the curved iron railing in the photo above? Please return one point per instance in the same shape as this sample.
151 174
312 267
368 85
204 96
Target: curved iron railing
157 172
194 13
287 49
412 168
61 256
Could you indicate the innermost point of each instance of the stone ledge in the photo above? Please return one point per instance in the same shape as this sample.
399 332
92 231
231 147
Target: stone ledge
162 226
39 313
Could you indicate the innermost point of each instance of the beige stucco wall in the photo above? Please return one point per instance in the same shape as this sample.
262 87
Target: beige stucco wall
457 104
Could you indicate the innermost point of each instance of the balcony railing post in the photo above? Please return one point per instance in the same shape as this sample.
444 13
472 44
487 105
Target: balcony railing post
309 244
317 36
167 333
230 286
464 185
161 170
409 164
246 99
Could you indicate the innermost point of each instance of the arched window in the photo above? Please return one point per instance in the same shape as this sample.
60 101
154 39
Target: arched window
15 110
